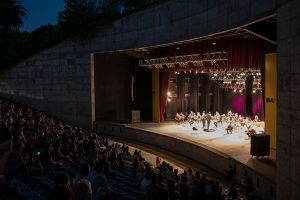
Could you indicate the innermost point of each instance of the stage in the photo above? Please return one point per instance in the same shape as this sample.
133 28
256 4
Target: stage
215 149
235 145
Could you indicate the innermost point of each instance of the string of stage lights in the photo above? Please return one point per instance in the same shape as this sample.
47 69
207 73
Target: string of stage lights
233 79
198 60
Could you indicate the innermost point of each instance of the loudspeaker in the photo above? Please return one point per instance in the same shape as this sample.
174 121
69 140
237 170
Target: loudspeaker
260 145
134 116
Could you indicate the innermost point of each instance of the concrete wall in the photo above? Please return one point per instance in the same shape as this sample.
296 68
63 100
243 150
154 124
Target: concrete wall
178 20
288 92
58 80
112 85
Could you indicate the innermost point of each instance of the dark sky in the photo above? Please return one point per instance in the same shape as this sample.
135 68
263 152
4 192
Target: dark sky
41 12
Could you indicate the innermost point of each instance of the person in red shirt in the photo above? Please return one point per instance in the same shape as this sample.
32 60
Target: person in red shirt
12 162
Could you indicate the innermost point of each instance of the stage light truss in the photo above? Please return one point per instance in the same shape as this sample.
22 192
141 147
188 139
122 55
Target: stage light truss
185 60
235 79
234 74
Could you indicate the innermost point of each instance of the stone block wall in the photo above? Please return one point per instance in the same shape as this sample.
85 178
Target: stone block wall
56 81
288 117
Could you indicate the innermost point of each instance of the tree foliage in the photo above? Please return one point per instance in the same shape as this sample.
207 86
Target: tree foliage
80 18
12 14
132 5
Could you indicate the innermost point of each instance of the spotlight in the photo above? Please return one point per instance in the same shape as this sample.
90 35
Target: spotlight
169 100
241 91
254 91
234 90
215 74
169 94
196 72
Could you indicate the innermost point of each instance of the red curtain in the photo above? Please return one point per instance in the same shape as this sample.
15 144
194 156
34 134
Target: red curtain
263 78
242 53
164 87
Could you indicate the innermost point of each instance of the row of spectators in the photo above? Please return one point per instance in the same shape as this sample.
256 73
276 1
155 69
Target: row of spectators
33 144
165 182
83 163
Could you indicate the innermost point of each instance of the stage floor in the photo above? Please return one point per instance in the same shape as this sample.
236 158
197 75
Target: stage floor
235 145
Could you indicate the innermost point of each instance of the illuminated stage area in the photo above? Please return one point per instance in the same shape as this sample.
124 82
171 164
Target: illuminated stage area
235 145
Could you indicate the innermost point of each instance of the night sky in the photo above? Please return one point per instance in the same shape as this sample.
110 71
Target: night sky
41 12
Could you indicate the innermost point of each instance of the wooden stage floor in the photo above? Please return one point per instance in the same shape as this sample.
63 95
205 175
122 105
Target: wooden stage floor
235 145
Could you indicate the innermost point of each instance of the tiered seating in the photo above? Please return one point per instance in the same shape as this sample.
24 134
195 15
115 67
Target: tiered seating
52 147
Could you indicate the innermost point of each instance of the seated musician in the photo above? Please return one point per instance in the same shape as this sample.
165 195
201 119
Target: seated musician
229 128
256 119
177 117
250 131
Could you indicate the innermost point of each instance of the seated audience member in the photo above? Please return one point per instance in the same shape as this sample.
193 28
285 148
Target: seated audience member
33 164
230 173
100 186
183 188
173 193
61 191
82 190
12 162
145 182
152 190
233 191
163 193
158 162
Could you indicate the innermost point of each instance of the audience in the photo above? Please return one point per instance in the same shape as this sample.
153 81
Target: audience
34 144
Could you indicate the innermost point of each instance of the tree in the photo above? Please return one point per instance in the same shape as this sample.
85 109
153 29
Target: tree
12 14
80 18
132 5
110 10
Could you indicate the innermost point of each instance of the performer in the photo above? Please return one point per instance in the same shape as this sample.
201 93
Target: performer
203 119
256 119
208 119
229 128
250 131
177 118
